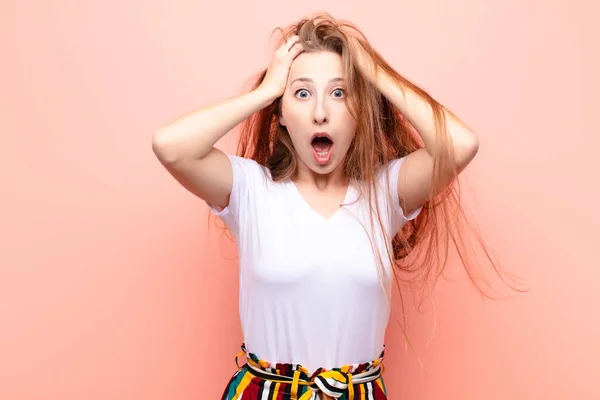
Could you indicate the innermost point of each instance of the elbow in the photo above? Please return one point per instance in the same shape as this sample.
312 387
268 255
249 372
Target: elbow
163 148
467 151
473 146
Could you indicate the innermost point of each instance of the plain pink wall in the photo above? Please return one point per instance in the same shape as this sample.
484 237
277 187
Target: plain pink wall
110 285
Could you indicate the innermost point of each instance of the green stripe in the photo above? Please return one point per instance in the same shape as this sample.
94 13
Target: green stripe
383 384
236 382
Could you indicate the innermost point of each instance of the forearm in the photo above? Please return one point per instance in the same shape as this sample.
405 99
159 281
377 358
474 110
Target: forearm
193 135
420 114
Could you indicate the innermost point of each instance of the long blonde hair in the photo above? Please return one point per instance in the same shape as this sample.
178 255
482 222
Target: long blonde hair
419 251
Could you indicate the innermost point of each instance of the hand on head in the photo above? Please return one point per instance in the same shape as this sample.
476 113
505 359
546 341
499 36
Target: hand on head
277 73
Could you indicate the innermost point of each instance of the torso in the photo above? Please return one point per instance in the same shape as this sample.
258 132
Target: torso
312 290
310 281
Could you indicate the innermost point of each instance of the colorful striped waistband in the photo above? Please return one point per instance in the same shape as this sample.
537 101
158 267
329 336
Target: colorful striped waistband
333 383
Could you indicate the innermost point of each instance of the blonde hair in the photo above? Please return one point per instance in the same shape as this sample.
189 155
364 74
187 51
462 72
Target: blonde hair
419 251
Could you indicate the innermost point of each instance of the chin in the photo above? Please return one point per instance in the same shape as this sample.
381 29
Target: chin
323 169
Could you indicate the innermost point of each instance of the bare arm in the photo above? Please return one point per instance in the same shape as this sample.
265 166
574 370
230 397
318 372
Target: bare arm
186 149
186 146
416 172
414 180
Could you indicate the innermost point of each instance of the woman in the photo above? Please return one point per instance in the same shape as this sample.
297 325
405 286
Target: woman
330 191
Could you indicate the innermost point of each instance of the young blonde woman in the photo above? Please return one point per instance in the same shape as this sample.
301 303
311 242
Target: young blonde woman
344 168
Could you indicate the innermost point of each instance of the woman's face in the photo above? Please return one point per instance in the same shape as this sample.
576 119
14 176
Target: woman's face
314 112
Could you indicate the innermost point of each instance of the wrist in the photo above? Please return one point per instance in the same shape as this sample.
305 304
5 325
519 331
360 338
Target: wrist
265 95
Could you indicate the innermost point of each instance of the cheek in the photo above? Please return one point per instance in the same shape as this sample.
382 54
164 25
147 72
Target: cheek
293 124
291 115
349 125
347 140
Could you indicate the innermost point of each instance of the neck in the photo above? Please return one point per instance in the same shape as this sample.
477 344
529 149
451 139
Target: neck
322 181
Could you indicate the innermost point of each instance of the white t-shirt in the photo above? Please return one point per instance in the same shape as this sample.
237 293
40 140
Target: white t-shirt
310 291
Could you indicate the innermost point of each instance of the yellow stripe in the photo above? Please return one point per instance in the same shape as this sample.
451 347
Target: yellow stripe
350 388
337 375
307 395
243 385
294 391
362 391
378 381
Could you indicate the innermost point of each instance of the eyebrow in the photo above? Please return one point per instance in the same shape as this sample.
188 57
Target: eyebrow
336 79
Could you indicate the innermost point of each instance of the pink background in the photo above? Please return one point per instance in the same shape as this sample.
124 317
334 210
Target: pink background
110 285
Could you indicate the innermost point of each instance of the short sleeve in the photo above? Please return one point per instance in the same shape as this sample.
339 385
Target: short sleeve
248 178
399 217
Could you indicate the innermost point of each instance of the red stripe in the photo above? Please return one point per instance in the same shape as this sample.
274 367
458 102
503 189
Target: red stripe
378 393
251 391
282 388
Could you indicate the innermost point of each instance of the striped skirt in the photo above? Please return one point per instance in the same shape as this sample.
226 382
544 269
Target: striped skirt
260 380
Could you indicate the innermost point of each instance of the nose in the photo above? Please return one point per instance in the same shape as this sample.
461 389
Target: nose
320 113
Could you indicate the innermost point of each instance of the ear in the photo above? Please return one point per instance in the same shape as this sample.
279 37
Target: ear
281 120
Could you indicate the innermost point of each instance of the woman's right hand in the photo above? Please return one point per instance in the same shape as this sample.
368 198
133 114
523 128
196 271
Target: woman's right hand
277 74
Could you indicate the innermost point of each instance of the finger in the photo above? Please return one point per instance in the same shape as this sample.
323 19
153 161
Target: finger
291 42
296 49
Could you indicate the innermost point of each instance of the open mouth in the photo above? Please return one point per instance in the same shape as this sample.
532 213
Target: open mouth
322 144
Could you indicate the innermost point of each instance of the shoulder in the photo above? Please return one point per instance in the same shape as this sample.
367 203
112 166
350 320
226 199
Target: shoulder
388 178
388 172
247 168
250 181
243 162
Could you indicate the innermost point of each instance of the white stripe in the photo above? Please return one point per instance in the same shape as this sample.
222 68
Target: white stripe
336 384
370 391
265 372
266 390
319 382
367 376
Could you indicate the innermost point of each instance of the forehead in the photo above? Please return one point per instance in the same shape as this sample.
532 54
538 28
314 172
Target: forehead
318 66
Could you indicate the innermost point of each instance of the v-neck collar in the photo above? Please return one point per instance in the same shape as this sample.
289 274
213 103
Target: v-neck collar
310 209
